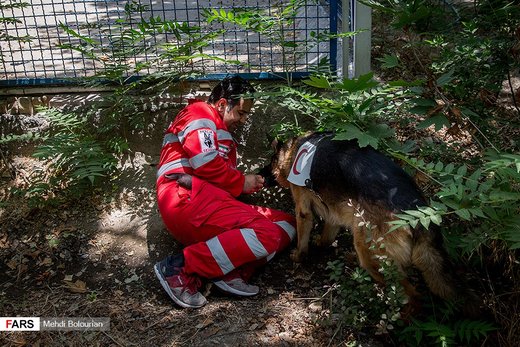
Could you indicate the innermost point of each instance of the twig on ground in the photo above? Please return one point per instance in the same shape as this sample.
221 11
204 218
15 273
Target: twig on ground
115 341
156 322
314 299
334 335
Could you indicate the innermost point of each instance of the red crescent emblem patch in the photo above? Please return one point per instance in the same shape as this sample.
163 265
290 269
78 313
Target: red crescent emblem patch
302 152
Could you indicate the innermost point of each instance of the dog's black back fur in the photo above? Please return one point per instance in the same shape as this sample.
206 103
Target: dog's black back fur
363 173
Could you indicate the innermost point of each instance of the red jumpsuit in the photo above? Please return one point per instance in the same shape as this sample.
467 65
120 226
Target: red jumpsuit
220 233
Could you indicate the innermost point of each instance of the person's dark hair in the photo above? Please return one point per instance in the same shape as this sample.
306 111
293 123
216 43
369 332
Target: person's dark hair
231 88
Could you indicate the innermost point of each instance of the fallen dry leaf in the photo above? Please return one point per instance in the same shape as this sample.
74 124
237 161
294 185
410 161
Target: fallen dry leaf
204 324
34 254
76 287
43 276
12 264
3 241
131 279
47 261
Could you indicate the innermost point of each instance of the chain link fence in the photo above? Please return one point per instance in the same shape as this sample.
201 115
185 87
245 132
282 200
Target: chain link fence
38 59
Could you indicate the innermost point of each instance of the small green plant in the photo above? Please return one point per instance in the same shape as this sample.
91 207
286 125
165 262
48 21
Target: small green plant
167 64
27 137
362 303
444 328
354 109
486 199
75 159
92 296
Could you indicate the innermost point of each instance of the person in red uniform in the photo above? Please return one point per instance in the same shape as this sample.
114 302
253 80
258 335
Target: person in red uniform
224 239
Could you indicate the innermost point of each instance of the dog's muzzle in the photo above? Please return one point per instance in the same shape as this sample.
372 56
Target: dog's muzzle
267 173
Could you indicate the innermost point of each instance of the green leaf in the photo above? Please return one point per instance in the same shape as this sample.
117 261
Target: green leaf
498 195
425 102
438 120
396 224
351 132
439 166
389 61
439 206
381 131
318 82
420 110
364 82
406 147
289 44
462 170
473 180
425 221
464 214
436 219
449 168
414 213
477 212
445 79
86 39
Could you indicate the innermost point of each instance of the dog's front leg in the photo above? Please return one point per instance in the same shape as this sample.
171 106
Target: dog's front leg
304 222
328 234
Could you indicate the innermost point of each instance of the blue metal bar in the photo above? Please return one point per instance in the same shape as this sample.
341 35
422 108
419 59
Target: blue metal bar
29 82
333 30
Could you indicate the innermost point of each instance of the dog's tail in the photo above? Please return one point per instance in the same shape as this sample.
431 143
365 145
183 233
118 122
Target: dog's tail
431 259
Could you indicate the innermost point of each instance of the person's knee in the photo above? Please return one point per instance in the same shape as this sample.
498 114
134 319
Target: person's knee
270 235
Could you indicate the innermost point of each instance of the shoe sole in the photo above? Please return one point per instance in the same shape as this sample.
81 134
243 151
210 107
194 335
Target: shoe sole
227 289
168 290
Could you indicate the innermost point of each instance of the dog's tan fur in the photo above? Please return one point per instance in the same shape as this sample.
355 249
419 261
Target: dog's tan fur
401 245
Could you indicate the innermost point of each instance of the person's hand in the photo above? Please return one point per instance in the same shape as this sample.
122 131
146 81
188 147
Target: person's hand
253 183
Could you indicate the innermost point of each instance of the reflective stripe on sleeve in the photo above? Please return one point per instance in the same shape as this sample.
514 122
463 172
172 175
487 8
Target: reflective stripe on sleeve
169 138
289 229
172 165
224 135
254 244
202 158
220 256
194 125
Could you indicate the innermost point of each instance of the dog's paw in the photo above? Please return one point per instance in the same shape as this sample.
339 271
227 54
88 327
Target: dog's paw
323 242
297 256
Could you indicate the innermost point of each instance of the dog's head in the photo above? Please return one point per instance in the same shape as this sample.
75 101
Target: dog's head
277 171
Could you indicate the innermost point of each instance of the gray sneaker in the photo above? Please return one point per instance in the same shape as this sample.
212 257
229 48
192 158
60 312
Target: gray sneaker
182 288
236 286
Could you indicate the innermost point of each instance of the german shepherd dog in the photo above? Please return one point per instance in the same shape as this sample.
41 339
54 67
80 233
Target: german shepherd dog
348 187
